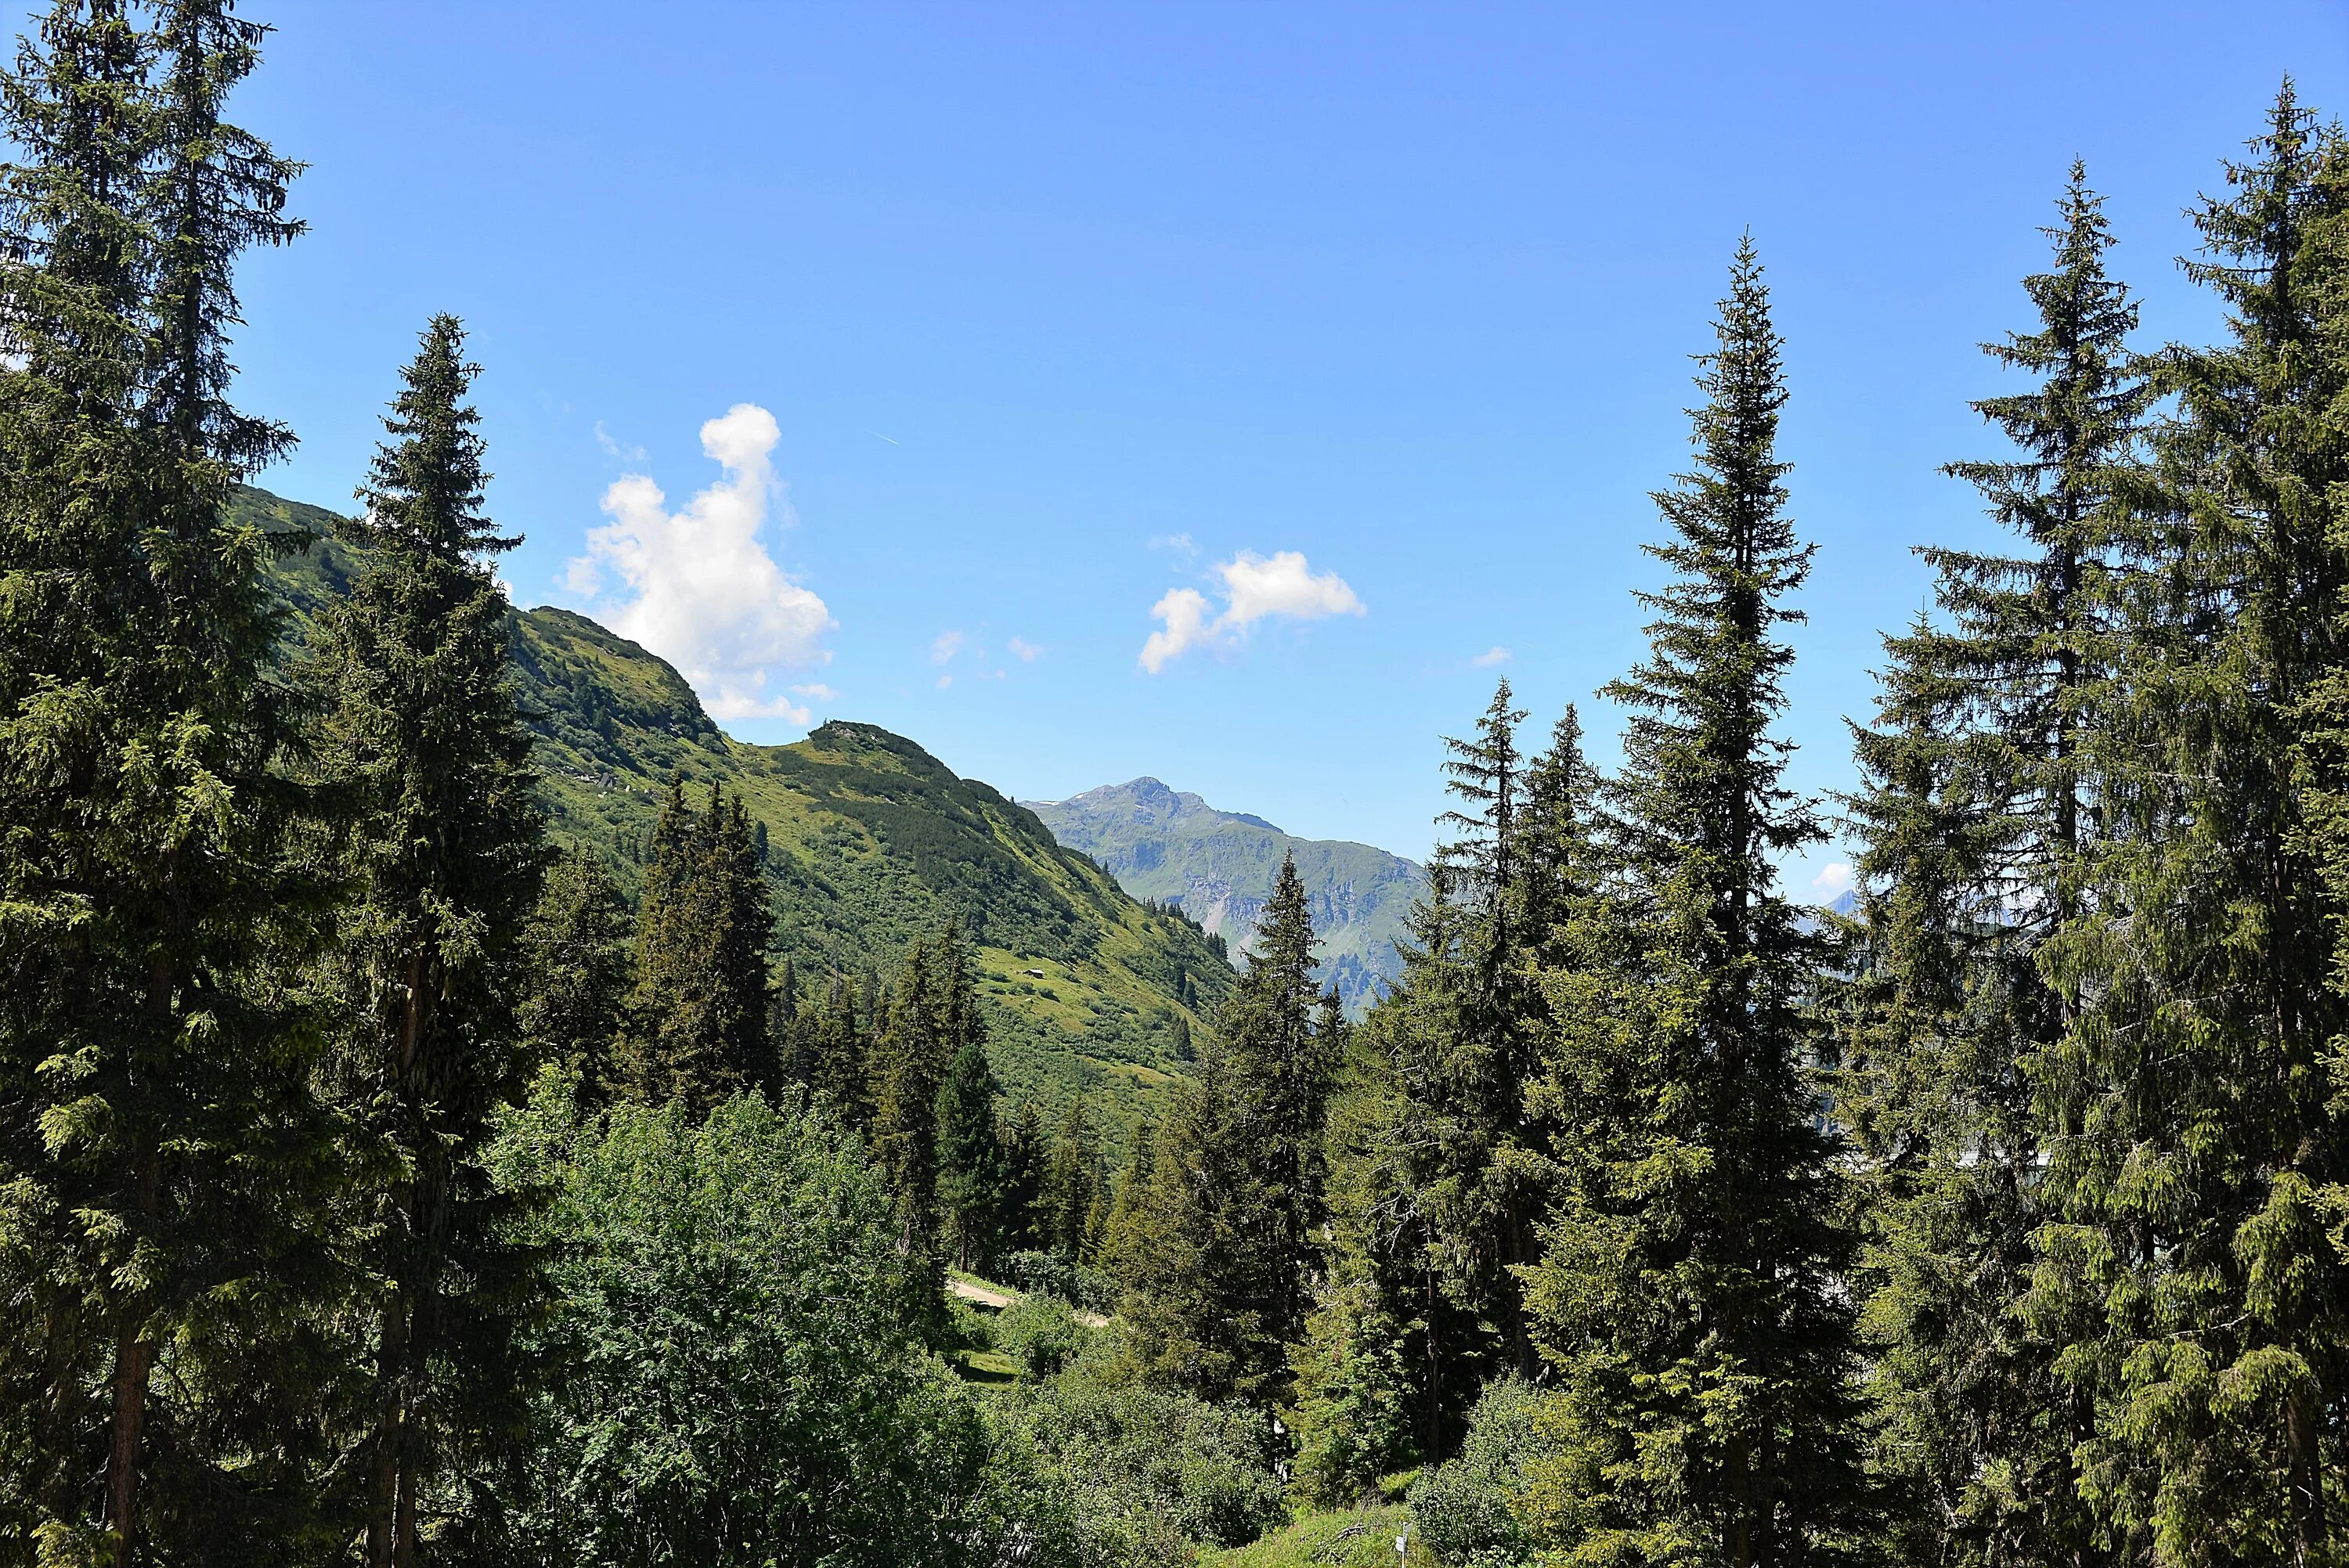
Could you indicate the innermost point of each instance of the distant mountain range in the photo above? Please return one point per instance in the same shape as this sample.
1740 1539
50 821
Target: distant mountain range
1218 866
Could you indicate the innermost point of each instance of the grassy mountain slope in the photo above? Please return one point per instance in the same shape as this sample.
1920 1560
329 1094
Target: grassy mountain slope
1218 866
870 843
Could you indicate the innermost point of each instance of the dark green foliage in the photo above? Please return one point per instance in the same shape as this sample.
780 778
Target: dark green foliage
838 1068
441 845
1975 819
1689 1296
784 1417
158 1155
970 1157
2191 1124
697 1018
908 1067
1024 1157
1218 1257
577 970
1071 1189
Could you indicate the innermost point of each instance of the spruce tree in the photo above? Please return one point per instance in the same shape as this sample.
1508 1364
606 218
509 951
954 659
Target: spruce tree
970 1171
1023 1162
838 1070
576 971
699 1026
1690 1295
2192 1133
443 849
157 1138
910 1065
1223 1284
1974 815
1072 1181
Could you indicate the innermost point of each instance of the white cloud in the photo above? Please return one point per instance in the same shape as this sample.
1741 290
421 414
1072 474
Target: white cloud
613 449
1024 650
944 681
947 645
1491 657
1255 588
700 589
1180 543
816 691
1833 881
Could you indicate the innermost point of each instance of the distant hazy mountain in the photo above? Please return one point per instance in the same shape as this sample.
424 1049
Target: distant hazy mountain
1219 866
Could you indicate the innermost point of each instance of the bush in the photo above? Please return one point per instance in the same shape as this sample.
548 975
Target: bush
1151 1474
1040 1332
1466 1507
735 1377
1050 1273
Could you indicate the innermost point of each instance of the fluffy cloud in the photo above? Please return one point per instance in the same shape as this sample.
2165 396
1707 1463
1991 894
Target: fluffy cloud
1023 650
1833 881
947 645
700 589
1491 657
1255 588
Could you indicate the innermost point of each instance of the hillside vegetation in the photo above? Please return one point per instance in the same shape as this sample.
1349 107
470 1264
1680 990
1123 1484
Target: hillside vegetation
870 842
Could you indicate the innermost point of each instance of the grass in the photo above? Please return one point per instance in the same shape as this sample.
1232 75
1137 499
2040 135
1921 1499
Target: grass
985 1367
1347 1538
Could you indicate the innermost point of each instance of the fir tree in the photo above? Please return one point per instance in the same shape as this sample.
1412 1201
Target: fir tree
2191 1131
838 1070
1689 1295
444 851
1974 815
1221 1282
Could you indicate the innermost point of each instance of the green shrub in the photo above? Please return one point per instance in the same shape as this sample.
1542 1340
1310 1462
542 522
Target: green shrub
1463 1506
1151 1474
1040 1332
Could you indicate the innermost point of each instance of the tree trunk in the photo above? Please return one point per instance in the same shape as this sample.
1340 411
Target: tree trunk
391 1354
2303 1476
134 1356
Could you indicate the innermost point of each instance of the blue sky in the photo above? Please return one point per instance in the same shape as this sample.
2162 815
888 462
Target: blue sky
1030 332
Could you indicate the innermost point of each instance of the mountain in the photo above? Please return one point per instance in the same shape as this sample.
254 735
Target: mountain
869 842
1218 866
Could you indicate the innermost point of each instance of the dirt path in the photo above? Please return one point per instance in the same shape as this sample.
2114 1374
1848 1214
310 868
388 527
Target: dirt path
987 1296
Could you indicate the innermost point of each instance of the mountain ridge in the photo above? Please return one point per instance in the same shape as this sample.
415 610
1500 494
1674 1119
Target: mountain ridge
868 841
1171 847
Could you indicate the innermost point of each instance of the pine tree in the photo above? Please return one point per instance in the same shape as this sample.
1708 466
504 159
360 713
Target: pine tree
444 851
1974 815
144 1049
576 971
2191 1131
699 1026
1690 1293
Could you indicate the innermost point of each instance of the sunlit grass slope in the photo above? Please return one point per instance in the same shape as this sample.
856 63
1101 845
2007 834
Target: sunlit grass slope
871 843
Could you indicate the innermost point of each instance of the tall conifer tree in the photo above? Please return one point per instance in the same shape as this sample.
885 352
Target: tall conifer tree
699 1028
143 1053
1974 816
444 850
1690 1295
576 971
2191 1129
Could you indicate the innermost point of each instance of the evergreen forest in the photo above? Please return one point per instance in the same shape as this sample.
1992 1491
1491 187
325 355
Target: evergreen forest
458 1106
